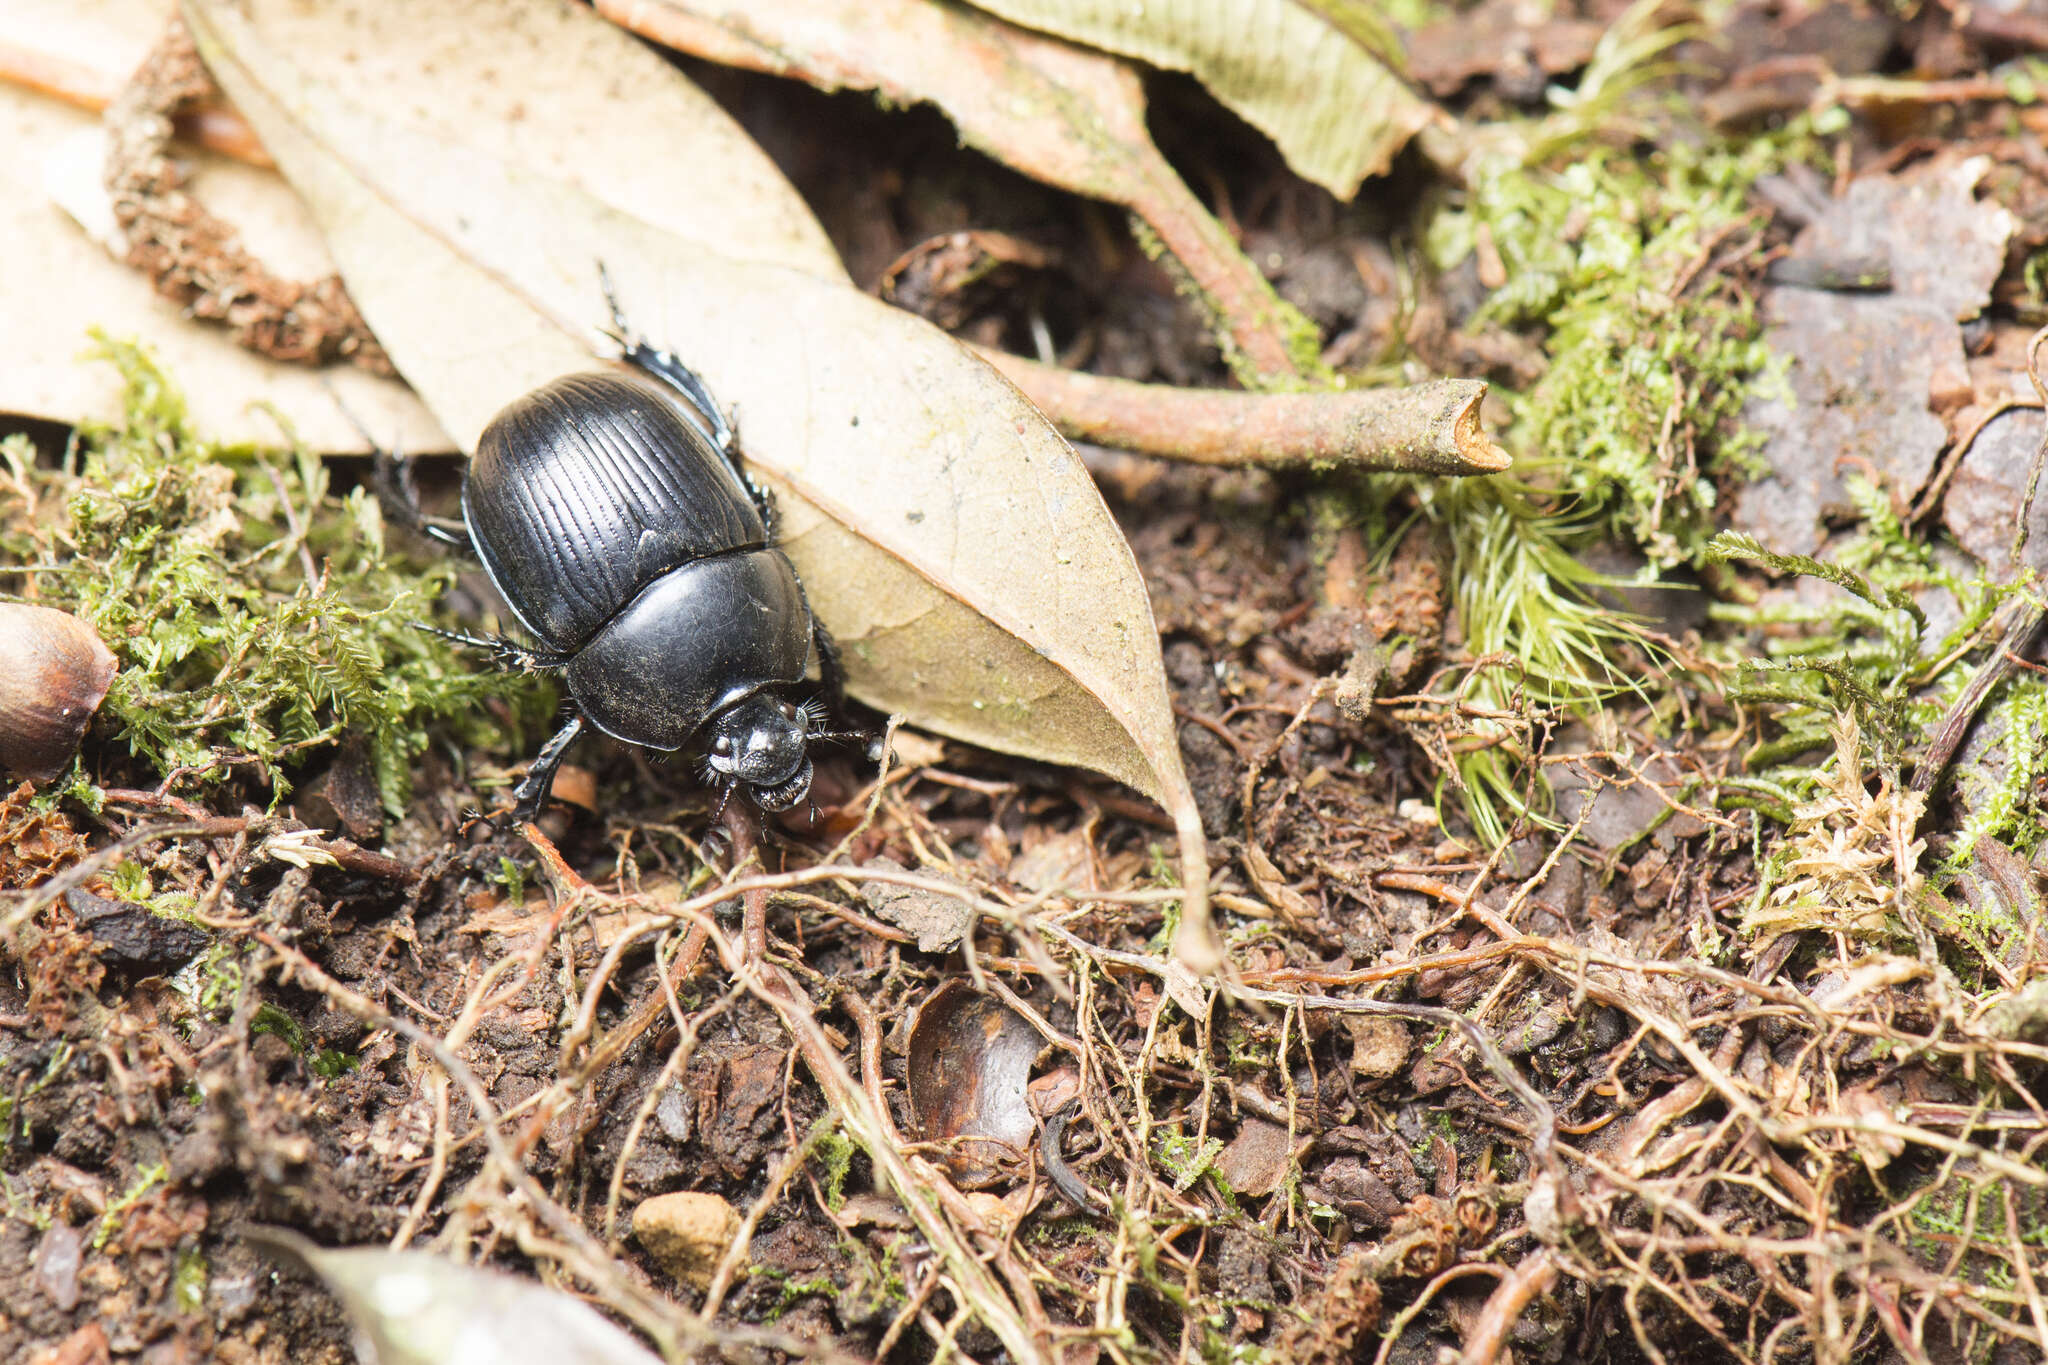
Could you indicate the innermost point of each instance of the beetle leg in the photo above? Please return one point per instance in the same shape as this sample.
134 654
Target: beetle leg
669 368
506 653
399 498
831 668
532 792
764 503
666 366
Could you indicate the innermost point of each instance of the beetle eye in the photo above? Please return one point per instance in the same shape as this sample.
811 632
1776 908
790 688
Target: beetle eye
722 746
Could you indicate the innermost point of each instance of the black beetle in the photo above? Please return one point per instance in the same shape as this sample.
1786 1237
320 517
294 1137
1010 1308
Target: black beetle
622 531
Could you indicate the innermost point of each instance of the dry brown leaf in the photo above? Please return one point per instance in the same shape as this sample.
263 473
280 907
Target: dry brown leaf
1058 113
1294 69
1256 1160
1869 372
951 540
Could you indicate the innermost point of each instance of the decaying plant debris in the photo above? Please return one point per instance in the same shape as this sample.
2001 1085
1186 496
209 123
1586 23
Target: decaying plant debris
1632 885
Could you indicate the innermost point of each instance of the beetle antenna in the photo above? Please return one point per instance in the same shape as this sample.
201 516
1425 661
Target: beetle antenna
834 736
455 636
509 655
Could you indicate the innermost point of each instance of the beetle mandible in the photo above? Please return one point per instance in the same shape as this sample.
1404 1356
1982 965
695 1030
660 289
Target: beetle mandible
621 529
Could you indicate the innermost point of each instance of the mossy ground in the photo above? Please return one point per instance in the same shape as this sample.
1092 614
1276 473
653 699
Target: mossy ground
1781 1008
258 620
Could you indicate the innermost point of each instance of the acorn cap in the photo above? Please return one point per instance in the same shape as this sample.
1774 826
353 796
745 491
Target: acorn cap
54 671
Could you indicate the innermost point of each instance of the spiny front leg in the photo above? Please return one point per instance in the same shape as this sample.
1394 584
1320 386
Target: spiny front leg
831 669
532 792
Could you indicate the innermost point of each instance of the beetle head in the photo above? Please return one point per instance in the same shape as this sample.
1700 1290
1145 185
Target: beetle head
761 741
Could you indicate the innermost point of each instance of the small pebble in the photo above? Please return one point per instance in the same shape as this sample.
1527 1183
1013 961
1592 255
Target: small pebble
58 1256
687 1233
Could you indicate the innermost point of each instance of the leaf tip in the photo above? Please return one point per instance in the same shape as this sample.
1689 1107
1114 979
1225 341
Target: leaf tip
1196 943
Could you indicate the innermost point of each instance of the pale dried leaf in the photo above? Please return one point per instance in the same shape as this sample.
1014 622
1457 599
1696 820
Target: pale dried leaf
1335 110
417 1309
589 107
61 278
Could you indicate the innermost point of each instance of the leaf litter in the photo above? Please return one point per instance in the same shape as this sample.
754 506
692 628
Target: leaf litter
1739 1066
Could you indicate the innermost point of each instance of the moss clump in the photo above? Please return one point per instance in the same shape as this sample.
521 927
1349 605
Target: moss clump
255 615
1865 654
1538 639
1652 354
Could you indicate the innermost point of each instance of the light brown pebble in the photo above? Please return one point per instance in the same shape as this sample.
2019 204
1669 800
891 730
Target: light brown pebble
687 1234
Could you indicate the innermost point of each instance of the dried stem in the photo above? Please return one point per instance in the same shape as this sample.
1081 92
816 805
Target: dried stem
1430 428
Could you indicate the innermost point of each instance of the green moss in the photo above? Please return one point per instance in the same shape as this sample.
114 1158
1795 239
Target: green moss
325 1062
1537 639
835 1152
109 1223
52 1069
1604 237
254 613
512 877
1865 652
213 980
188 1282
1186 1159
272 1020
790 1291
1651 355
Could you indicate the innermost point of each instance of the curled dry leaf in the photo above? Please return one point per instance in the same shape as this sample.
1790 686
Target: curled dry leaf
1295 69
945 533
418 1309
1058 113
969 1071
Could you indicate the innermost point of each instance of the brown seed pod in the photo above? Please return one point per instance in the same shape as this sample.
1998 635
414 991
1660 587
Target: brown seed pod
53 672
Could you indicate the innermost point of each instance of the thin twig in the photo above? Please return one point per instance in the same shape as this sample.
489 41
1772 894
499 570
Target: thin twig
1429 428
